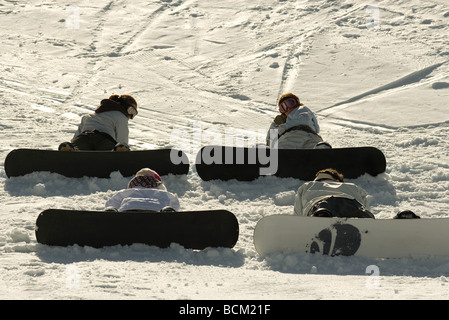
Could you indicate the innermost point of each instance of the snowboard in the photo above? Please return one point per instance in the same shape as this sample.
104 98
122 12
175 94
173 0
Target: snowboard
370 238
99 164
247 164
190 229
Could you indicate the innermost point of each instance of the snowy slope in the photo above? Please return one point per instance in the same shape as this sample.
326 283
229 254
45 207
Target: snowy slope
376 73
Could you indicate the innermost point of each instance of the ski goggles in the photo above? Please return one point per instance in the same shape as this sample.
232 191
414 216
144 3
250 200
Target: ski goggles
287 104
132 111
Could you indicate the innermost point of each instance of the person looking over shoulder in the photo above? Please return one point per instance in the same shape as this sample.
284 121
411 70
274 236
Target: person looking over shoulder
296 127
107 128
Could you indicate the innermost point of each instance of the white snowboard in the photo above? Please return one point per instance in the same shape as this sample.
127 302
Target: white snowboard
372 238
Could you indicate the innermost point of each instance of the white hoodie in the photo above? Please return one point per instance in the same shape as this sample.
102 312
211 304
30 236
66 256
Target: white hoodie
140 198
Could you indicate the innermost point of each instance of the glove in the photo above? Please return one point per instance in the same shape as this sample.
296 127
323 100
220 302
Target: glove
280 119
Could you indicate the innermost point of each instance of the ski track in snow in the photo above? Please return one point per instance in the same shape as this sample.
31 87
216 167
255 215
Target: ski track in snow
216 68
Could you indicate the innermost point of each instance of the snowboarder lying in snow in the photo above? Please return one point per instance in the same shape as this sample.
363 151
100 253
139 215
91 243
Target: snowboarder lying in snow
329 196
297 126
107 128
145 192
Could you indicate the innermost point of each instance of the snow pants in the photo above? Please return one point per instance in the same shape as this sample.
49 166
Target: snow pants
339 207
94 140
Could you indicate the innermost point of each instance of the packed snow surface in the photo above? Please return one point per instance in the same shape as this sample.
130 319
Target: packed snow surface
376 73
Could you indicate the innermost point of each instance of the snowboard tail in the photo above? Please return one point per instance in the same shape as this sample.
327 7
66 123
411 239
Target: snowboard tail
99 164
190 229
365 237
247 164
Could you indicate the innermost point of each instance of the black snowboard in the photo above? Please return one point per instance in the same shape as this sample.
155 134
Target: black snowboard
99 164
246 164
190 229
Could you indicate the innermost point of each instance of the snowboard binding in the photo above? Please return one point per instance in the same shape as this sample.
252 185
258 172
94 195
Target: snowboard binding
121 147
67 146
323 145
407 214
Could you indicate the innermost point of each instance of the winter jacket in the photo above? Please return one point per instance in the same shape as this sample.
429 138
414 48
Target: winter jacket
114 123
312 192
140 198
289 135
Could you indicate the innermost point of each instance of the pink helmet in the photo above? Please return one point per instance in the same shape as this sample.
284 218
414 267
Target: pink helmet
146 178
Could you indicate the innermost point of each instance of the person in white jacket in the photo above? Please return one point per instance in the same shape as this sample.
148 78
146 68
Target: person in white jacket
145 191
296 127
329 196
107 128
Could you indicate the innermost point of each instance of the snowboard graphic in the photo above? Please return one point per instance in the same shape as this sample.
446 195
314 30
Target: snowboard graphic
190 229
246 164
99 164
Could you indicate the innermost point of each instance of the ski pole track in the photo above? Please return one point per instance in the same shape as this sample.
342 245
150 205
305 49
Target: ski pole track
151 60
411 80
301 40
359 125
84 79
153 17
149 57
101 60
